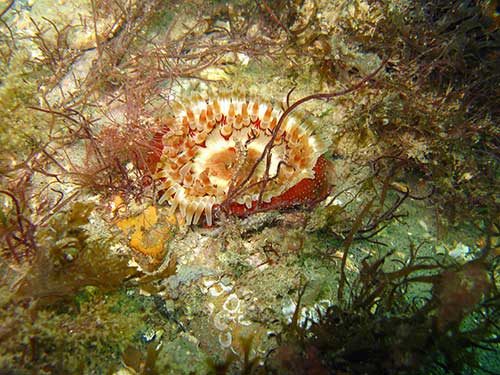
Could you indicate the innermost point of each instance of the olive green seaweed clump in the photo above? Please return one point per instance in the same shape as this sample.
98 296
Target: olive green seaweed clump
21 128
64 259
85 336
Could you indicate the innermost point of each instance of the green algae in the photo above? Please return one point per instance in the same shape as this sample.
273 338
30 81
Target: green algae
183 356
72 339
70 261
21 129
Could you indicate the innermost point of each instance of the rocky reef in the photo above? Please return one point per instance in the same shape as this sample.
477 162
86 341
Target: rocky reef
251 187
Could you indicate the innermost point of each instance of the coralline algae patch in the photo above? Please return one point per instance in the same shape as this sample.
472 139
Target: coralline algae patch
209 146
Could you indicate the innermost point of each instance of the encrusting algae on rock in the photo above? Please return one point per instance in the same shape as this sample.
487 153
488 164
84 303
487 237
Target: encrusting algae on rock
211 148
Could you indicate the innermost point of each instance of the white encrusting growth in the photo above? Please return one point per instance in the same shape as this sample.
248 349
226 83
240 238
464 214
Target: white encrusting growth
212 145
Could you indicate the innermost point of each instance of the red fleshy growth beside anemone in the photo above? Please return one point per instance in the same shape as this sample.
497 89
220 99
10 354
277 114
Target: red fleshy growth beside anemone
309 191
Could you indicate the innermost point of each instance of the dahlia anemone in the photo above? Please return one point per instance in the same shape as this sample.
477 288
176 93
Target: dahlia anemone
212 148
